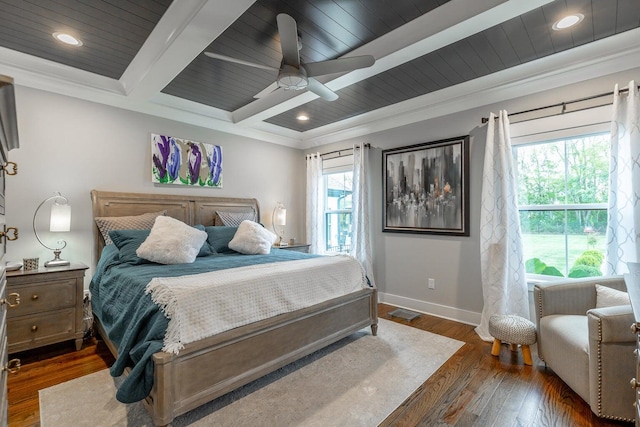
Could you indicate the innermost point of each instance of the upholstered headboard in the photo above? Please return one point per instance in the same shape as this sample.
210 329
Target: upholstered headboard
190 209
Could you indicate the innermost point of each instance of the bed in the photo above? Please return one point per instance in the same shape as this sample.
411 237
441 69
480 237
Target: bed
185 381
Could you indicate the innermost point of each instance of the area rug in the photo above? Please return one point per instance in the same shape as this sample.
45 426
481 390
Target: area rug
357 381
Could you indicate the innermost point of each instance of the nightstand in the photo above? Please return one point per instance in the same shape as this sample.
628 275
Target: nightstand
51 306
298 247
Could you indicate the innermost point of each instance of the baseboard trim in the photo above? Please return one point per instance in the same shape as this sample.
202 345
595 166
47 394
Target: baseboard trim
446 312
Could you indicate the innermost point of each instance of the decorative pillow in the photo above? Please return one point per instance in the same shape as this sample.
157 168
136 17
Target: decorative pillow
205 250
608 297
127 242
135 222
252 238
172 242
219 238
232 219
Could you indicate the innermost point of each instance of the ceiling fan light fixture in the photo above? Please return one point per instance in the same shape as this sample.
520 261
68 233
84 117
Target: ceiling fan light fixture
568 21
292 78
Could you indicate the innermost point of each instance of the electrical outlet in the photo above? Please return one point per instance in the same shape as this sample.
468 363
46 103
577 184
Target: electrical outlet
432 283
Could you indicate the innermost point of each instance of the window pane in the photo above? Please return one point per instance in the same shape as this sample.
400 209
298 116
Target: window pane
588 169
567 243
338 230
339 189
540 173
563 239
338 206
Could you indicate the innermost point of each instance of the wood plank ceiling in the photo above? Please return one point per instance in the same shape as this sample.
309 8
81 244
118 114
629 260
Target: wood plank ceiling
328 29
116 30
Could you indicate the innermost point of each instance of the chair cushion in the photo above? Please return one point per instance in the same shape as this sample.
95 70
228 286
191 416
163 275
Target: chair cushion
609 297
565 345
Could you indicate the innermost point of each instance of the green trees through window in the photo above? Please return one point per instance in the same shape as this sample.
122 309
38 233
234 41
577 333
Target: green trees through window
562 198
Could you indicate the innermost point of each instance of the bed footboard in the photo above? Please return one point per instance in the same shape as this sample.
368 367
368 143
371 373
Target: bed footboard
212 367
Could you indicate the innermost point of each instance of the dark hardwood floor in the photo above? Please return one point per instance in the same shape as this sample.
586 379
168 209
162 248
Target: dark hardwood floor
47 366
472 388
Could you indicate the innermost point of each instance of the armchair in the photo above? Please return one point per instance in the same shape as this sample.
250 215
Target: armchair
589 348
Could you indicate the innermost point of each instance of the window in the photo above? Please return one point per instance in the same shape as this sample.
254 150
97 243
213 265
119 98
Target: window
562 198
337 211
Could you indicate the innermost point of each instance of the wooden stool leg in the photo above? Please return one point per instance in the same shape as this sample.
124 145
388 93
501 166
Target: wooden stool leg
495 350
526 353
513 347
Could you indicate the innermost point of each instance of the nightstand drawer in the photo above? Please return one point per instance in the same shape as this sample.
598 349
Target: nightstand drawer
44 297
40 329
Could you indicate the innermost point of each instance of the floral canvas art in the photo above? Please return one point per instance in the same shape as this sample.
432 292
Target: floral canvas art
184 162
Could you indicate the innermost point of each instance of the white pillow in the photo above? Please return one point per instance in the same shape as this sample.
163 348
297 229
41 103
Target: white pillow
609 297
171 242
252 238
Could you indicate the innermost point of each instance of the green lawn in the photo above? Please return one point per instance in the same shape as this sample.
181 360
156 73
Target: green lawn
550 248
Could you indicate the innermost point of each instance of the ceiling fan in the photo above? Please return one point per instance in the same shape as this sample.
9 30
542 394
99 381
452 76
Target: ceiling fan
293 74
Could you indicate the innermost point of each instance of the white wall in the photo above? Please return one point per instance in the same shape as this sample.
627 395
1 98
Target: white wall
73 146
403 262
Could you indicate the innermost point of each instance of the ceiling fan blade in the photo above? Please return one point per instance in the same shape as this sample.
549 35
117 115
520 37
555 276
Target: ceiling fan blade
321 90
288 31
266 91
338 65
238 61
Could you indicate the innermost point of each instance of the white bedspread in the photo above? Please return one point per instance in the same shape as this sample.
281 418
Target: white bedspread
202 305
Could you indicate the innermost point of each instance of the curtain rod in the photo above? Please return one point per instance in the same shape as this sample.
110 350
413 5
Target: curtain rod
339 152
564 105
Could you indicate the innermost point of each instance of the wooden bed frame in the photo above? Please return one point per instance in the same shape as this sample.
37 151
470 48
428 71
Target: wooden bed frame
209 368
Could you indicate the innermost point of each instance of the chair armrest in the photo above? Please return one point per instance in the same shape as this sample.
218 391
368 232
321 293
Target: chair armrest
611 362
611 324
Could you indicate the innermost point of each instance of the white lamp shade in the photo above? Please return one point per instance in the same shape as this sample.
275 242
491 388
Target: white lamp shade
281 216
60 218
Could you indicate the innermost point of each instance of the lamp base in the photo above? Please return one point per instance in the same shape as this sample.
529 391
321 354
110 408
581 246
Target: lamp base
56 263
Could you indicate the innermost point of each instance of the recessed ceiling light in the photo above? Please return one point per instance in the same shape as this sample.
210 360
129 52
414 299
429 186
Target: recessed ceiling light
568 21
302 117
67 38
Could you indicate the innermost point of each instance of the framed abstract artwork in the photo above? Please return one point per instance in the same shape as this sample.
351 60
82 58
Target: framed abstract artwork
426 188
184 162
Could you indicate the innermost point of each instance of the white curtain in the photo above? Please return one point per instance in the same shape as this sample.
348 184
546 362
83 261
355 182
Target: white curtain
315 193
504 285
624 182
360 223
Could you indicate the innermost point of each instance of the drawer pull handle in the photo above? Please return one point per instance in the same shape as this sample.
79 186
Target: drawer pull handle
634 328
34 297
10 230
10 168
34 328
13 366
12 300
634 384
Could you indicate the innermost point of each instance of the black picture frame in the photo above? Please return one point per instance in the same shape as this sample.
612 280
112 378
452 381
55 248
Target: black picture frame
425 188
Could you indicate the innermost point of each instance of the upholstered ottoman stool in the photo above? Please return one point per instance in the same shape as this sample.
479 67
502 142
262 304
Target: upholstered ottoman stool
514 330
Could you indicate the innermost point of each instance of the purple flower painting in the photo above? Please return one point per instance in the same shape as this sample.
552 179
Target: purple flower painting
184 162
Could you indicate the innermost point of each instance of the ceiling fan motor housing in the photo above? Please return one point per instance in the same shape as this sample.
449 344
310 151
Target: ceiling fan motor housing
292 78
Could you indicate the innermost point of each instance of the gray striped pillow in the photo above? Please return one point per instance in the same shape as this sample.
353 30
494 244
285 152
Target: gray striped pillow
233 219
135 222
